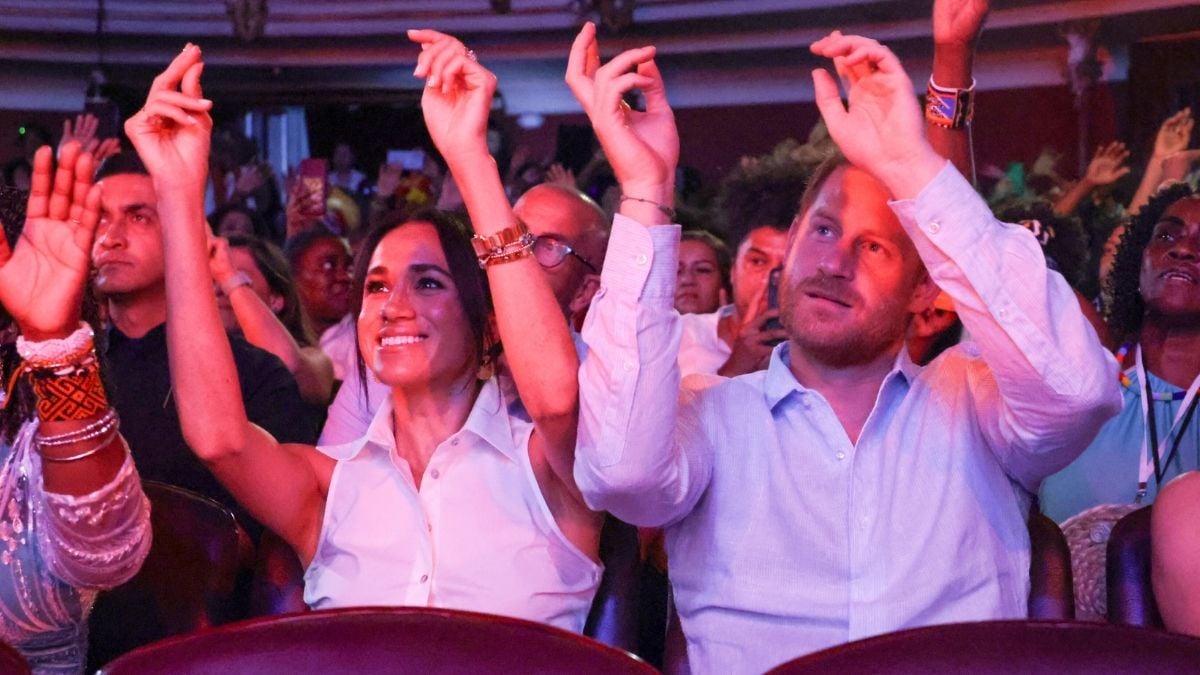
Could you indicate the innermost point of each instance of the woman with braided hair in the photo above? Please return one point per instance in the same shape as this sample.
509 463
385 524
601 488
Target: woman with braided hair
73 518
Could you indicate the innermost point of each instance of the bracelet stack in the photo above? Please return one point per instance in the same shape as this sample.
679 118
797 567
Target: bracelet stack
511 243
949 108
65 376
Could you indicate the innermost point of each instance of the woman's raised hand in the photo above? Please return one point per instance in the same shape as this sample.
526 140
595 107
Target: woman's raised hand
458 95
43 278
643 147
173 130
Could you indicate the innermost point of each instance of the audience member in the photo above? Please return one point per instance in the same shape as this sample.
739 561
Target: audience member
925 476
702 282
1175 543
235 220
1155 285
130 274
269 315
472 491
343 174
73 518
1172 138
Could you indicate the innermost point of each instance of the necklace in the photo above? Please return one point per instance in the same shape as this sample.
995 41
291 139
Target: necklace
1128 383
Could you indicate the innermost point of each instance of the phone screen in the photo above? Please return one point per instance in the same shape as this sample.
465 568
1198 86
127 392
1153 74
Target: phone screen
773 301
314 174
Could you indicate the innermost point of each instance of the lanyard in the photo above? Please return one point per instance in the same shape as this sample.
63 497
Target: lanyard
1151 462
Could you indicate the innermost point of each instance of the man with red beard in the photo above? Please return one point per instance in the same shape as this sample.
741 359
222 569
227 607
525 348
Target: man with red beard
843 492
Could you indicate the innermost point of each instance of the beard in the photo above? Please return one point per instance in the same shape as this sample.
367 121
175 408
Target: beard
849 340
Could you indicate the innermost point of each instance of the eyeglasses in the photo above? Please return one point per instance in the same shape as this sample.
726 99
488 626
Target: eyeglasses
551 252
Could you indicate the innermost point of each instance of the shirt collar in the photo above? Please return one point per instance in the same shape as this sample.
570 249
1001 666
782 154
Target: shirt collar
488 421
780 383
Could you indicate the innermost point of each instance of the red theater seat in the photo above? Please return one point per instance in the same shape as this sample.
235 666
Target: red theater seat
11 661
378 640
995 647
187 582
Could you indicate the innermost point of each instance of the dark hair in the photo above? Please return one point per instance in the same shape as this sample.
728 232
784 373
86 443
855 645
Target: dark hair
10 170
469 279
1128 309
121 164
762 192
257 224
719 248
296 245
1067 246
275 269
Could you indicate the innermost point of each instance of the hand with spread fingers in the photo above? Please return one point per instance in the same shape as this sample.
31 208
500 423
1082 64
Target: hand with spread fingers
42 279
458 95
1108 165
173 131
643 147
882 129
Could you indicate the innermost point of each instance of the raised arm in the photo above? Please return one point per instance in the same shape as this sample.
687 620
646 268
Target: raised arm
629 461
171 134
537 341
1051 384
956 28
1172 137
1106 168
311 367
92 521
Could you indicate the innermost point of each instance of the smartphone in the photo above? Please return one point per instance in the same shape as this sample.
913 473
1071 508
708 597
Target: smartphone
314 175
409 160
773 301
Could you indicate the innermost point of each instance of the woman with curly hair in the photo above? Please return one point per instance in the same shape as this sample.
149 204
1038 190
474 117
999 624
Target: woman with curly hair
1155 317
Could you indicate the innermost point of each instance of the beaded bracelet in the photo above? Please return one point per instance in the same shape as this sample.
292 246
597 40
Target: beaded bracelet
104 424
64 350
104 443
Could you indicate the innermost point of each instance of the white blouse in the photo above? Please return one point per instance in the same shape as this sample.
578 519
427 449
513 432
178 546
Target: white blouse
477 535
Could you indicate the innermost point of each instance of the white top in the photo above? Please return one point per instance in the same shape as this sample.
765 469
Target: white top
477 535
338 343
701 350
785 538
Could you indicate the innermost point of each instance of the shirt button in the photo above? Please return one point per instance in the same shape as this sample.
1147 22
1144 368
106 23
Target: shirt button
629 366
434 474
841 455
641 259
454 442
1002 313
934 227
424 578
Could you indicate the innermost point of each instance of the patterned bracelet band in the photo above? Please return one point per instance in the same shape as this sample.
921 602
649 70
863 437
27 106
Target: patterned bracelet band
948 107
68 391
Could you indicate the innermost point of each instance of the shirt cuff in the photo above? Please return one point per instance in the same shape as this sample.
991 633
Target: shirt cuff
642 260
947 213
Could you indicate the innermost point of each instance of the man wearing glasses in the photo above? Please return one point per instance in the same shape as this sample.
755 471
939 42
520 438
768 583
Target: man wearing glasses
571 240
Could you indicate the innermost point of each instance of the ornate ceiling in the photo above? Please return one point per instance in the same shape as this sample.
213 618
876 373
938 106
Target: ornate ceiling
714 52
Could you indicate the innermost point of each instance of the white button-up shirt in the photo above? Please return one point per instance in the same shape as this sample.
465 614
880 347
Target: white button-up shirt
477 535
785 538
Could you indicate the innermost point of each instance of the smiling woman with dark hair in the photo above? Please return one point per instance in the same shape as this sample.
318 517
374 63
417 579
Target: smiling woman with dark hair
475 486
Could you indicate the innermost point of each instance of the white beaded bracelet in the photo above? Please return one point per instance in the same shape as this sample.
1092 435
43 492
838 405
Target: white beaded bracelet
53 351
105 423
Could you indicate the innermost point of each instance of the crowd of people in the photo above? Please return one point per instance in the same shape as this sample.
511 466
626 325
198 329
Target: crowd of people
834 395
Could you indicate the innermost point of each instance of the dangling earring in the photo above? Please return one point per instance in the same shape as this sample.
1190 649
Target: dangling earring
487 368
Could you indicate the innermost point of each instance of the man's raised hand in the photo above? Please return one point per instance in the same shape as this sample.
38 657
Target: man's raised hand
642 147
881 131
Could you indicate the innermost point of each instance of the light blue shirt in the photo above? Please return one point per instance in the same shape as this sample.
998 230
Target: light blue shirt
784 538
1107 472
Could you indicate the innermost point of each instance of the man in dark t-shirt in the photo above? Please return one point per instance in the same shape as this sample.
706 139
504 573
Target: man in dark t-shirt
128 258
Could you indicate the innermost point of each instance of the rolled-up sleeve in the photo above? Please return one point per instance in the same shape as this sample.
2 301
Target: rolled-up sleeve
629 460
1049 383
97 540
